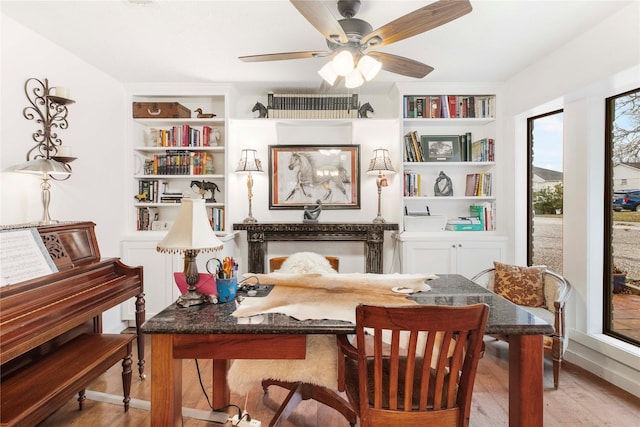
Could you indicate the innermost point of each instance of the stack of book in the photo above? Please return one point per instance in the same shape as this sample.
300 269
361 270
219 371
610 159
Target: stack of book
312 106
481 218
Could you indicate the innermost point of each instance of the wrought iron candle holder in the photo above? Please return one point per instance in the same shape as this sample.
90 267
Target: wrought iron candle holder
48 107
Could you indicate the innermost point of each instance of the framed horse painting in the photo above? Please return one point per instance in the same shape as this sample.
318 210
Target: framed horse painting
302 175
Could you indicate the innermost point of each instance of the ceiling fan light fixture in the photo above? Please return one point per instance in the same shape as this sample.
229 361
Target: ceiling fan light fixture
343 63
328 73
353 79
369 67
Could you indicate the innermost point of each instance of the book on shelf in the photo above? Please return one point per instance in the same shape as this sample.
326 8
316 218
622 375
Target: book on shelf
180 162
179 136
217 219
485 214
478 184
449 106
312 106
413 148
145 218
483 150
412 184
464 224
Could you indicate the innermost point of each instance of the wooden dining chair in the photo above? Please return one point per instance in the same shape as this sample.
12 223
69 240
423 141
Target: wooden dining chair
516 283
276 262
412 365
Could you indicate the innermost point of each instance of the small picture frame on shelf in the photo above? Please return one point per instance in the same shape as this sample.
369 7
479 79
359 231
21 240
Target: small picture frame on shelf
441 148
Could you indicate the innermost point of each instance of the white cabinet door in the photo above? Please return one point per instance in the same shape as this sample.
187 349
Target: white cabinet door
441 253
428 257
475 256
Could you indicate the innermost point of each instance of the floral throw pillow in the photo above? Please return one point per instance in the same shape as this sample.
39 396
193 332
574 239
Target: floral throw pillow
520 285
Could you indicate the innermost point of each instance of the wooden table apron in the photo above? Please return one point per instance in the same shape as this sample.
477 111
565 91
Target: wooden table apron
210 332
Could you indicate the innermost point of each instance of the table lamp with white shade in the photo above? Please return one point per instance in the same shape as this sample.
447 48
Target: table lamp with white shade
190 234
379 165
249 163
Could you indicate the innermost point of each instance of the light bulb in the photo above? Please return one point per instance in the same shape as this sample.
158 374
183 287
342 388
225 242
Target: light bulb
369 67
354 79
343 63
328 73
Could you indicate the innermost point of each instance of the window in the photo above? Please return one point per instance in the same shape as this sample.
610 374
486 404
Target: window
545 191
621 285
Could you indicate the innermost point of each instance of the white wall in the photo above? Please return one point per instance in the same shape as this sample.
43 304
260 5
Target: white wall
370 134
578 77
95 133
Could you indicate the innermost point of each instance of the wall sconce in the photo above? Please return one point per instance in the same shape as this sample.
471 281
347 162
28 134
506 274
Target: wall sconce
379 165
191 234
249 163
48 106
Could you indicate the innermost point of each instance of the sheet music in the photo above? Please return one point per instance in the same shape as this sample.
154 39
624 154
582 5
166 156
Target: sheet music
23 256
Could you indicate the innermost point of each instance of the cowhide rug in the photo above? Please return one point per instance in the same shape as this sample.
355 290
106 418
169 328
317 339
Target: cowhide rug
329 296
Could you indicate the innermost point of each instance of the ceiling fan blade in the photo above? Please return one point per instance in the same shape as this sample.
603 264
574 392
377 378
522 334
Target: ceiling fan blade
419 21
284 55
318 15
401 65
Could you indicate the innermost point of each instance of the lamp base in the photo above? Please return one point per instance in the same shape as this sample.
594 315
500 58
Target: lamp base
379 220
249 220
191 298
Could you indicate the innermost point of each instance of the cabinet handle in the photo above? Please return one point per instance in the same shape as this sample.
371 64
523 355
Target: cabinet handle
459 245
453 246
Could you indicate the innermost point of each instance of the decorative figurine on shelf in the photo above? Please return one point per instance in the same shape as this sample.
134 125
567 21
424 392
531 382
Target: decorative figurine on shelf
204 187
142 197
262 110
311 214
202 115
443 186
364 109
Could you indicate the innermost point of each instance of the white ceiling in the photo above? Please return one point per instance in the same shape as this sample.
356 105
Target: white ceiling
199 41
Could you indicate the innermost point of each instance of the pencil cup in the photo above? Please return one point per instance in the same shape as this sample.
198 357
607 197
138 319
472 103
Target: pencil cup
226 289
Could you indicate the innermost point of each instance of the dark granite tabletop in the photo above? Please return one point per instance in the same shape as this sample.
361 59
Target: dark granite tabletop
449 289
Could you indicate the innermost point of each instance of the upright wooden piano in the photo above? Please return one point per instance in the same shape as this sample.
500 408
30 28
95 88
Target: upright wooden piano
51 340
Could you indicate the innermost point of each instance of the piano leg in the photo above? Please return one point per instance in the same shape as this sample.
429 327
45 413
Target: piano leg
126 377
140 318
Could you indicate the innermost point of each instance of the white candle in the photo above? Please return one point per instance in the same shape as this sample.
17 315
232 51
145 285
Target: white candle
62 92
64 151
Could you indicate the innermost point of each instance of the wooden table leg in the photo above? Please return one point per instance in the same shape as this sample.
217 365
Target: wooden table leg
525 380
221 393
166 383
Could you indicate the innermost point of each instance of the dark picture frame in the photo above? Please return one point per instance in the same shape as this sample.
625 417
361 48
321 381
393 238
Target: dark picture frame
299 175
441 148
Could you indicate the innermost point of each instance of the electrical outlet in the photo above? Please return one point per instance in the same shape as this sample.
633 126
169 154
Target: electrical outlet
244 422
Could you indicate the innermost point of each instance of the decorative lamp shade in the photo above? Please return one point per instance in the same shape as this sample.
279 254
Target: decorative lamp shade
42 166
328 73
249 162
190 231
354 79
343 63
369 67
380 162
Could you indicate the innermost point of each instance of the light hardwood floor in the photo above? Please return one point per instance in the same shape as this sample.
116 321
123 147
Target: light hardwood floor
581 400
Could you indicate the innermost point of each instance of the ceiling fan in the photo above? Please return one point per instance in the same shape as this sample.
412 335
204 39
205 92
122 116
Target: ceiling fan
353 41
